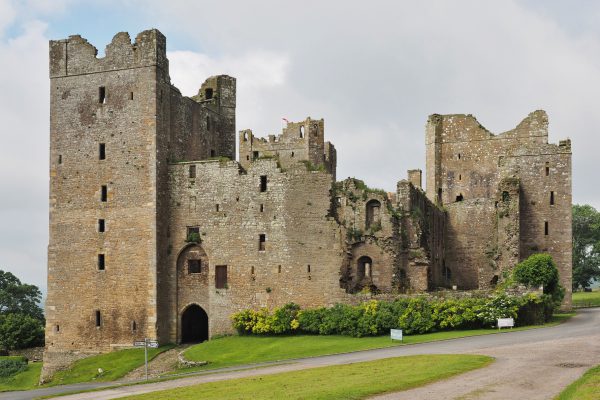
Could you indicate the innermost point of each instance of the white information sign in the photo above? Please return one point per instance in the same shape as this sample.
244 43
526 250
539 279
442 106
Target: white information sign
506 323
396 334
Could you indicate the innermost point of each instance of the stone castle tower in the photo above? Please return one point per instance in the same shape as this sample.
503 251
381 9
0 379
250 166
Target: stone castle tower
157 232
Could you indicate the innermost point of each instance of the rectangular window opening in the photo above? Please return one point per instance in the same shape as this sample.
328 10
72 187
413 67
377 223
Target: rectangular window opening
212 153
308 268
217 207
262 238
101 225
547 168
98 319
263 183
192 172
101 95
255 155
130 95
101 263
104 193
102 151
279 269
551 198
262 208
194 266
133 326
57 328
546 230
221 276
60 159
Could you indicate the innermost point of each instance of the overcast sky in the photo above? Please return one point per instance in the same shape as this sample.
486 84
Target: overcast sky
374 71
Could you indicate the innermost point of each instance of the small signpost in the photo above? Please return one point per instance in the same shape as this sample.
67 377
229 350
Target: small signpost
505 323
145 344
396 334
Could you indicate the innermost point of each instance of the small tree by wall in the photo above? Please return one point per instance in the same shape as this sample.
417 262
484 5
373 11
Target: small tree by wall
540 270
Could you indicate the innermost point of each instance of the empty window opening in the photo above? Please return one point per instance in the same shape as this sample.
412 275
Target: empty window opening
102 151
505 196
208 93
373 217
263 183
103 193
262 238
133 326
245 136
439 196
101 263
363 268
237 198
301 131
57 328
252 270
546 230
101 225
98 319
216 207
459 177
308 268
547 168
551 198
248 158
292 154
60 158
255 155
279 269
194 266
101 95
207 123
494 281
459 156
459 197
221 276
192 171
212 153
262 208
130 95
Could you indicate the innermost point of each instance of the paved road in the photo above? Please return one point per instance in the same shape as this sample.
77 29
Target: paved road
530 364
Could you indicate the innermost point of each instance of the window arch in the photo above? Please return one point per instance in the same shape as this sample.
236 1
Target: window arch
364 268
372 213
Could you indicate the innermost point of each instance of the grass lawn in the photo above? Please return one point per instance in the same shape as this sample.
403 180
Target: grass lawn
585 388
586 299
115 365
25 380
237 350
350 381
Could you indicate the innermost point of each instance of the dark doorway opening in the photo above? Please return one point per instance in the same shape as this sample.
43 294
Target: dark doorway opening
194 325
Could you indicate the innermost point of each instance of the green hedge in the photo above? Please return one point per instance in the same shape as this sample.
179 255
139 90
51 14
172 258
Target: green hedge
414 315
10 366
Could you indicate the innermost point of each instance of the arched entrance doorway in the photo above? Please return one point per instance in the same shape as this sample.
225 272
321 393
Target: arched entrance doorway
194 325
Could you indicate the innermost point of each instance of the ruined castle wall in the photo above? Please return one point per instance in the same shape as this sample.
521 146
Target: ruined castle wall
124 121
291 213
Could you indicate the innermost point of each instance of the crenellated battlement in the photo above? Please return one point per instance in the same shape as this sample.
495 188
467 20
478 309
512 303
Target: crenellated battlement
76 56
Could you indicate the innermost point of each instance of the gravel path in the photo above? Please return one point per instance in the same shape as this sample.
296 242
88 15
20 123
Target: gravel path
531 364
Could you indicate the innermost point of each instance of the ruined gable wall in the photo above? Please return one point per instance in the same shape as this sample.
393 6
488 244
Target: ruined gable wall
298 234
79 122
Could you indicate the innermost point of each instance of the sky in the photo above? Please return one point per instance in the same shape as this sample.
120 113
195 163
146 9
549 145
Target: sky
373 70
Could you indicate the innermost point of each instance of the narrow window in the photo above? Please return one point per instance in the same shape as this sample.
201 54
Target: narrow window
60 158
101 225
194 266
263 183
459 197
192 172
547 168
551 198
208 93
459 156
212 153
207 123
57 328
439 196
101 262
133 326
102 151
262 238
308 268
248 157
98 319
101 95
104 193
255 155
546 228
221 276
279 269
216 207
459 177
301 131
262 208
252 270
292 154
131 98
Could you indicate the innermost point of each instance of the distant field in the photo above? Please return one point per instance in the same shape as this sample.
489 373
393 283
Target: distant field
349 381
585 388
586 299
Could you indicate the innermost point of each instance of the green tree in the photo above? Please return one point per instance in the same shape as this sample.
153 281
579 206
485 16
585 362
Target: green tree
586 245
538 270
21 318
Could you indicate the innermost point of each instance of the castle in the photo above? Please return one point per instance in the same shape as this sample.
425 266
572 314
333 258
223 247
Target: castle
156 231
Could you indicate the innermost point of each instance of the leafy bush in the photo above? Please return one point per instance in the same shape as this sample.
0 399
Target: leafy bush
415 315
19 331
10 366
537 270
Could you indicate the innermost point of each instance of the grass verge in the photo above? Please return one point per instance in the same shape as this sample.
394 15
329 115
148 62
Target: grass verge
114 365
350 381
24 380
585 388
586 299
238 350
